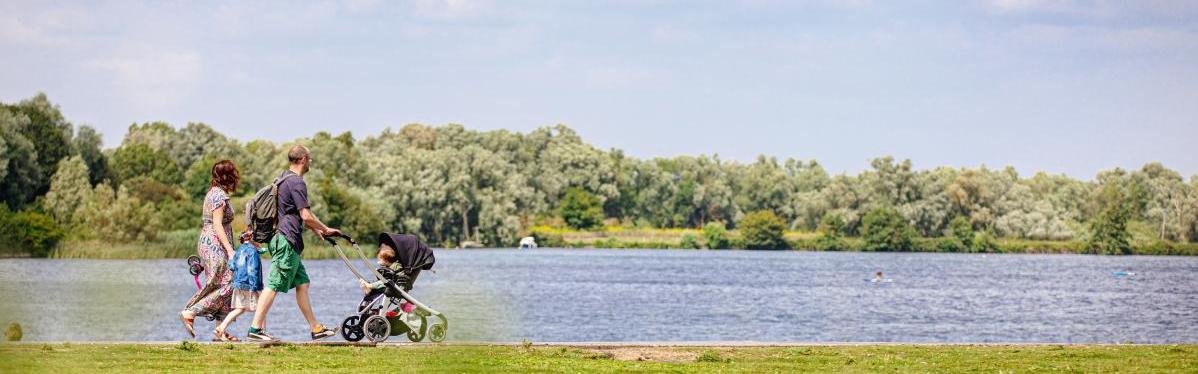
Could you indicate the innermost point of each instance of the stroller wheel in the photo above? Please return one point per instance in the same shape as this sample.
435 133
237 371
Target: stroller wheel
194 266
351 328
377 329
436 333
417 334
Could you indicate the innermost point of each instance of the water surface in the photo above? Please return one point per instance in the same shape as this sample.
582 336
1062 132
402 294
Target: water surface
661 295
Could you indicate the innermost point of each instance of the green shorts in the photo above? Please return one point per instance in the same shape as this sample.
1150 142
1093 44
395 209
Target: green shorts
286 269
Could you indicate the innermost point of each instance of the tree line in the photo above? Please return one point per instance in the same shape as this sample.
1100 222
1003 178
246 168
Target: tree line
450 184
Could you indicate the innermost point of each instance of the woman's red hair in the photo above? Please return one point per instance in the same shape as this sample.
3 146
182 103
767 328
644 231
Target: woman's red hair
226 176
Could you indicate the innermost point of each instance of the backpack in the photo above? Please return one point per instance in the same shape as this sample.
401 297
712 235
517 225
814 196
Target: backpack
261 213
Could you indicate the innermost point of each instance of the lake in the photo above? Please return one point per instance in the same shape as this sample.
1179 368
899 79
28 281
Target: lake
665 295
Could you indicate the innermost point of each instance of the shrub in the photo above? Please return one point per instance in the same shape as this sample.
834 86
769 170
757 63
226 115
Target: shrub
715 235
983 242
13 333
33 233
962 230
581 209
548 240
950 244
763 230
884 229
831 229
736 242
689 241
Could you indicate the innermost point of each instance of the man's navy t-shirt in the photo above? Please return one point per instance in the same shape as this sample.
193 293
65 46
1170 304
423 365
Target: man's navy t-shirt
293 197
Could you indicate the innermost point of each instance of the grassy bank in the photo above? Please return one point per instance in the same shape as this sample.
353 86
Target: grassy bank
620 237
68 358
180 244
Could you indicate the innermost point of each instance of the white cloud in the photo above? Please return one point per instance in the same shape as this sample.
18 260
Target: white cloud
43 28
448 8
358 6
1098 9
151 78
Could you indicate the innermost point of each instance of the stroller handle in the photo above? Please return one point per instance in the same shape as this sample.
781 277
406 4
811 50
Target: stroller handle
331 238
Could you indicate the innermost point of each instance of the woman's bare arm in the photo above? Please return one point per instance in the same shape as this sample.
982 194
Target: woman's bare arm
218 223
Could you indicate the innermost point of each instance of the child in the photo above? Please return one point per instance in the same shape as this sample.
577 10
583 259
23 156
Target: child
394 251
247 282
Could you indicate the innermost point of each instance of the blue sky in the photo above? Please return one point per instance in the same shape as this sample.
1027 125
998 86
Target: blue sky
1063 86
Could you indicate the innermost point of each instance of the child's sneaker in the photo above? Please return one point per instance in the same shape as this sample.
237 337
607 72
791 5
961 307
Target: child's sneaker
323 332
407 307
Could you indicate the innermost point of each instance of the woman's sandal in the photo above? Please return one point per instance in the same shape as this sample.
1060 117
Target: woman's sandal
224 337
189 324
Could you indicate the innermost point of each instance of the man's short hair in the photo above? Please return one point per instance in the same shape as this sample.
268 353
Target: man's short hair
297 154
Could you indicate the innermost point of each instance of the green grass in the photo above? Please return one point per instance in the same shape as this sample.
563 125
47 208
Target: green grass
190 357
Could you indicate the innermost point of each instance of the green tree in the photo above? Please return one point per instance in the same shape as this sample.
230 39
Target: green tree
87 145
689 241
69 188
884 229
172 207
1108 229
49 132
18 160
119 217
763 185
349 210
138 160
581 209
716 236
763 230
198 178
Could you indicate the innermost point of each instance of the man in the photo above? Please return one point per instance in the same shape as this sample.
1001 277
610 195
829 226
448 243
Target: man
286 268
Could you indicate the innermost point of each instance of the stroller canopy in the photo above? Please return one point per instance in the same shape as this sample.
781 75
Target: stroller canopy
409 251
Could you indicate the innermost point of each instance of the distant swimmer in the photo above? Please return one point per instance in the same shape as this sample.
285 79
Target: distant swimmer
879 279
1124 273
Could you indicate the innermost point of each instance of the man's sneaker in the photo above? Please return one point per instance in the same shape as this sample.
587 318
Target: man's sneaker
323 333
260 336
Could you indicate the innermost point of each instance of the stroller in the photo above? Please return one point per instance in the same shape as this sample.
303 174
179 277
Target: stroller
380 316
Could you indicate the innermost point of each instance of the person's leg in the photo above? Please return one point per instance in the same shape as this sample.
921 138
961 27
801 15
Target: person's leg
277 280
265 300
224 325
305 305
303 298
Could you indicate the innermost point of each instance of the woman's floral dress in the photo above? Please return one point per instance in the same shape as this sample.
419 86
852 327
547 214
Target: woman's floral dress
213 301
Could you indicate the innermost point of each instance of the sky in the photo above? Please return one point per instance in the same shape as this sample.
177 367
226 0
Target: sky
1070 87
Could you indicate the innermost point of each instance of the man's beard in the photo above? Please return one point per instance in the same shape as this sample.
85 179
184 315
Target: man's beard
306 166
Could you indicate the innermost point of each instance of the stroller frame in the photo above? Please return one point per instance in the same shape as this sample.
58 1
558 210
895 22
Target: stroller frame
371 317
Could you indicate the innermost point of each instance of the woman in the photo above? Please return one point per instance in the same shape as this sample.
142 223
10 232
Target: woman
215 248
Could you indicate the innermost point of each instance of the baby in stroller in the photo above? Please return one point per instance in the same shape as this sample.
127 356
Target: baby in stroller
387 309
416 255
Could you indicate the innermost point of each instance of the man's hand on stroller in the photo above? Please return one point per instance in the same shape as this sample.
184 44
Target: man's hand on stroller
329 231
365 286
